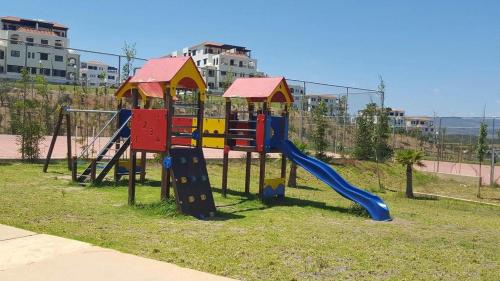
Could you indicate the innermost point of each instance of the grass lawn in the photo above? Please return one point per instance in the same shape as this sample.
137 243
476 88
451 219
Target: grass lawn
313 234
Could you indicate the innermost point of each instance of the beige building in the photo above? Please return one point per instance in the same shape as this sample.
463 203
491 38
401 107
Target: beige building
221 63
38 45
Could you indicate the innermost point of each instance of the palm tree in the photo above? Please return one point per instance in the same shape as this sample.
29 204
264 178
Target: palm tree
409 158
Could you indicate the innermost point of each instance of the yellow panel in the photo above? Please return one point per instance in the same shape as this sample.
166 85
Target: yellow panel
274 182
189 70
212 125
126 163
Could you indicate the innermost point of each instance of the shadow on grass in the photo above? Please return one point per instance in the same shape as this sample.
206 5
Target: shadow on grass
355 209
124 183
290 202
304 187
5 163
424 198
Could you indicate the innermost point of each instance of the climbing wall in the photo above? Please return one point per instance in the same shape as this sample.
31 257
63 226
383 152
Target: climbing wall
191 183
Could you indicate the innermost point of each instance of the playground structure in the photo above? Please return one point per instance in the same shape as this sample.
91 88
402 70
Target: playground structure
167 117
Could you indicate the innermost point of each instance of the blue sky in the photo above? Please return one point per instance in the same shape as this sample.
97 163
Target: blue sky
435 56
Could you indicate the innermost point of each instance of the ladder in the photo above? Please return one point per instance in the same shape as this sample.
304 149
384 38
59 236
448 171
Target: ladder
107 157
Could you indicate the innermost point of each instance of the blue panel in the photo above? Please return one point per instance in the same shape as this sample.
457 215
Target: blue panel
123 115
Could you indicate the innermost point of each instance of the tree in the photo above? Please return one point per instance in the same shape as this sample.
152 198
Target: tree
28 123
408 158
5 88
364 146
292 178
381 136
129 52
481 151
228 80
319 131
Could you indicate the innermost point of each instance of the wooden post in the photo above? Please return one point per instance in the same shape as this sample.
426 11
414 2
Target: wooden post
225 159
131 178
54 138
262 157
93 165
74 169
247 172
249 154
283 136
166 172
133 159
199 121
68 140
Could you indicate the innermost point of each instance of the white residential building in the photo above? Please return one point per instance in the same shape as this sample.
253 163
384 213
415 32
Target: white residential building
220 64
423 123
396 118
38 45
331 102
298 93
96 73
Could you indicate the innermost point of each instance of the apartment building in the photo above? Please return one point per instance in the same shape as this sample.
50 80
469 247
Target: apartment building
396 118
38 45
298 93
96 73
220 64
311 101
423 123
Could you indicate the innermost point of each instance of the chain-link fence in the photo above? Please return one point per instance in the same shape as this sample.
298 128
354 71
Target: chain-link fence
87 79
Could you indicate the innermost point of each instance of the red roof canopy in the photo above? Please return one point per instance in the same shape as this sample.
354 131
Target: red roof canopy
260 89
162 70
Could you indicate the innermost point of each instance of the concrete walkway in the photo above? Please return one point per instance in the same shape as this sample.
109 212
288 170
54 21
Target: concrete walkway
26 255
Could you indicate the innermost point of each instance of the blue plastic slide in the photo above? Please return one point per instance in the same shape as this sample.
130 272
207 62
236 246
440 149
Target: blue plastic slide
377 209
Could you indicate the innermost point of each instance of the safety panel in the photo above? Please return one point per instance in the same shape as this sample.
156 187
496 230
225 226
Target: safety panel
149 130
191 183
274 188
212 126
182 125
123 116
261 132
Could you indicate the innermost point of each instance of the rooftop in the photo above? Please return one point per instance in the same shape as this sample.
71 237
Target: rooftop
271 89
21 20
220 45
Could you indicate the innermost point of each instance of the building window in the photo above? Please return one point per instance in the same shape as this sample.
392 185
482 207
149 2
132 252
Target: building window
2 55
223 73
58 73
45 42
44 56
111 77
14 68
14 39
45 71
198 63
58 58
58 44
204 61
193 52
30 41
14 53
1 69
241 64
231 62
211 85
211 73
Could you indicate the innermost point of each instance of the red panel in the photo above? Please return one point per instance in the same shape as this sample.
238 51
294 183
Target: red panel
149 129
242 126
182 125
261 132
